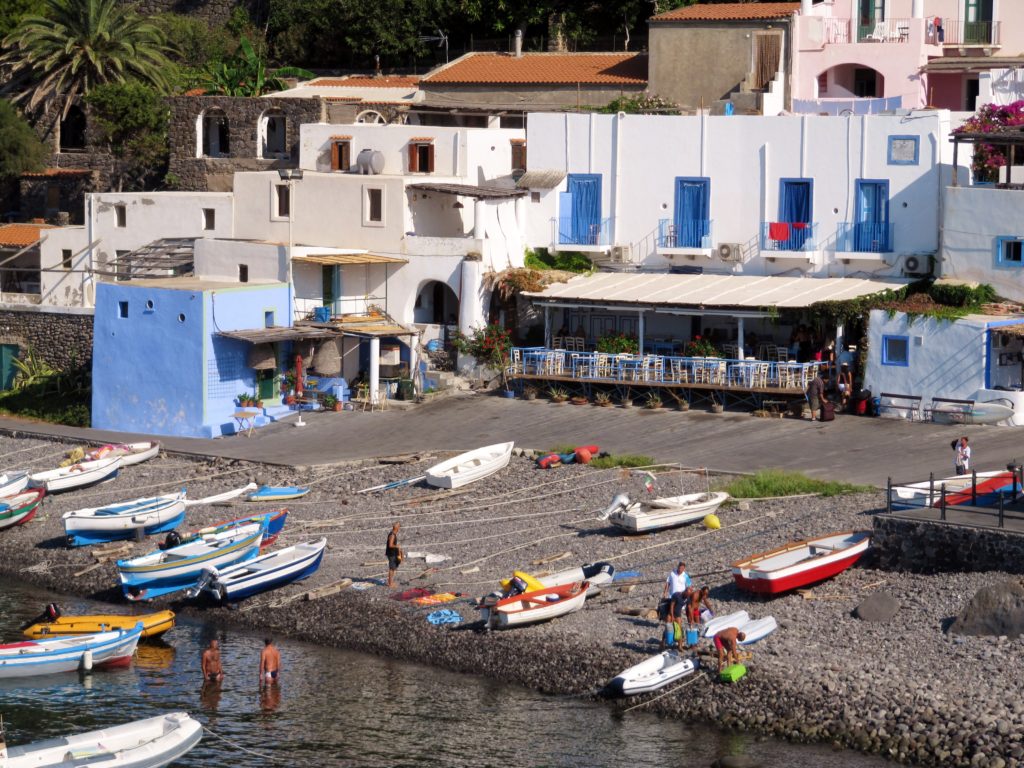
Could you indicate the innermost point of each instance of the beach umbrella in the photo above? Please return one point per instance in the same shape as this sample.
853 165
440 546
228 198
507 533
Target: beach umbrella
298 375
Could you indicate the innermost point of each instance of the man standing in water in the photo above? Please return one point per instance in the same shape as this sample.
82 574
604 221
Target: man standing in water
212 670
270 663
393 552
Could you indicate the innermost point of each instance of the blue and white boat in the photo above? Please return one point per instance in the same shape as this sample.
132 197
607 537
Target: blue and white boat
154 514
103 650
266 572
180 567
277 493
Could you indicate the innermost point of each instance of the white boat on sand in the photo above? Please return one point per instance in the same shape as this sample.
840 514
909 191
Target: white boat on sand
150 743
469 467
79 475
154 514
13 482
752 629
652 674
532 607
597 574
666 512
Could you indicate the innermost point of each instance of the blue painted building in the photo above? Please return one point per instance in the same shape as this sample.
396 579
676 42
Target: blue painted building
159 363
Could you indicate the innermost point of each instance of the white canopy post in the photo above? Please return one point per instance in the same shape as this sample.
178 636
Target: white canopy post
374 368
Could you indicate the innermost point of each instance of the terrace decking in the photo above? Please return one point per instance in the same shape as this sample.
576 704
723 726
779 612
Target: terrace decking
744 381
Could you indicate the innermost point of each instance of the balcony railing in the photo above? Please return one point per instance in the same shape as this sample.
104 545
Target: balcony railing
788 236
687 234
861 237
887 31
960 32
566 231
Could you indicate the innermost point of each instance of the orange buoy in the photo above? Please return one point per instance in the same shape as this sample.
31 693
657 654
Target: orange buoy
583 456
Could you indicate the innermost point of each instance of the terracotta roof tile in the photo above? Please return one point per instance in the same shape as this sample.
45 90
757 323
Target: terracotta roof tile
391 81
422 139
56 172
20 235
538 68
729 12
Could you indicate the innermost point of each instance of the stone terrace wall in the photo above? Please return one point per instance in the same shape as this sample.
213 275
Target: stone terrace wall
62 339
243 115
923 546
214 12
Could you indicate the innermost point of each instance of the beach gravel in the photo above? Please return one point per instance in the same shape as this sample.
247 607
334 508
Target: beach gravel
904 688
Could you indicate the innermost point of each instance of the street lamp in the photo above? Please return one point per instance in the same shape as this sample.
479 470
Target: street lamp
290 176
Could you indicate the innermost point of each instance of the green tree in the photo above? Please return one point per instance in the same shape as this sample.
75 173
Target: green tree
195 46
21 151
131 119
13 11
245 74
79 44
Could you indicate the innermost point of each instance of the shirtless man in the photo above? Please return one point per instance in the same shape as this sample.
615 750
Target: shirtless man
727 642
212 669
697 598
270 663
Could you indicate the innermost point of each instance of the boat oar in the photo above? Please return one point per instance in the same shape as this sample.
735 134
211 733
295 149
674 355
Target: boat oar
396 484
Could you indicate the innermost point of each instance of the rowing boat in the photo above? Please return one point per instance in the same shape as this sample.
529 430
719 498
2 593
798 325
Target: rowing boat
129 453
52 624
666 512
103 650
262 574
534 606
277 493
800 563
154 514
150 743
13 482
76 476
752 629
469 467
18 509
652 674
597 574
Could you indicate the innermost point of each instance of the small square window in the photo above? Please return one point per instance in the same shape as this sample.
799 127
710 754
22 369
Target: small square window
66 257
122 309
1009 251
904 150
284 201
243 273
121 214
268 318
209 218
535 197
421 156
896 350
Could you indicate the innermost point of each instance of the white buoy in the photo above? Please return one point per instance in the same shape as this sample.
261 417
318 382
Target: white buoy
86 664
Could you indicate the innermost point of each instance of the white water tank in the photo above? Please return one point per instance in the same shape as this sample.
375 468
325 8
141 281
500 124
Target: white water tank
370 162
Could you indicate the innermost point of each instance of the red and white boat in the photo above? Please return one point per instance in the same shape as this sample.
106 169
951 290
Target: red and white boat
534 606
800 563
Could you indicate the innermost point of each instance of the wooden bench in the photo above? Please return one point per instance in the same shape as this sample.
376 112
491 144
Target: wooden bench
961 406
912 409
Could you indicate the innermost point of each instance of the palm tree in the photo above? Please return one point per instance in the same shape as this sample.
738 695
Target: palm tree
76 45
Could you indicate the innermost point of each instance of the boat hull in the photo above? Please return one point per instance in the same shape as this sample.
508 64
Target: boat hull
83 475
46 657
806 567
958 491
21 509
153 624
640 518
92 526
253 581
267 493
525 608
13 482
469 467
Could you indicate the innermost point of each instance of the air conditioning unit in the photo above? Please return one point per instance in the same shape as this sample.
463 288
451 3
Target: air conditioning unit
730 251
917 266
621 254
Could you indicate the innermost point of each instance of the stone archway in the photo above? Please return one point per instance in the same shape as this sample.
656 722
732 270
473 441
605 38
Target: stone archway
436 304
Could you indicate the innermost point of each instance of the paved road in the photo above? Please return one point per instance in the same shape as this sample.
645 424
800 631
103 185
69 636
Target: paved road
854 449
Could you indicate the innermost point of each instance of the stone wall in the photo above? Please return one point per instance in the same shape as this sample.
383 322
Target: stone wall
929 547
214 12
243 114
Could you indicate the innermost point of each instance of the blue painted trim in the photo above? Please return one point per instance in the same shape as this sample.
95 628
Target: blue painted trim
1000 262
917 150
998 323
885 351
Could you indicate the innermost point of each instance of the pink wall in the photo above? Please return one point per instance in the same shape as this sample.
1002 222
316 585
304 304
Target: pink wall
947 91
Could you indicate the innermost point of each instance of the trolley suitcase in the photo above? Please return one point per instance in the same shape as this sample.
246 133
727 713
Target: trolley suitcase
828 411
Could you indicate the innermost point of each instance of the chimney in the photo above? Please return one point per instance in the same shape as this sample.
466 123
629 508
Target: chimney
805 7
519 44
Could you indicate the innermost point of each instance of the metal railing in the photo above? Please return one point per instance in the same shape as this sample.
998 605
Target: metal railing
884 31
696 233
960 32
566 231
995 492
789 236
836 31
865 237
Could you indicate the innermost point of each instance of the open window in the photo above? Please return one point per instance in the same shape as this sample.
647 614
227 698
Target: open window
215 134
72 130
421 155
373 207
274 134
1010 251
282 201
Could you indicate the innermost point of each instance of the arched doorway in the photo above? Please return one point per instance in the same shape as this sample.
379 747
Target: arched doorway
214 134
851 81
436 304
273 134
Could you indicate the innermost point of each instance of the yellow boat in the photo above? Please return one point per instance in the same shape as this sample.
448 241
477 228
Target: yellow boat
153 624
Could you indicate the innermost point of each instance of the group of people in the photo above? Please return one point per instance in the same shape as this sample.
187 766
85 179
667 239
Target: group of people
270 664
682 603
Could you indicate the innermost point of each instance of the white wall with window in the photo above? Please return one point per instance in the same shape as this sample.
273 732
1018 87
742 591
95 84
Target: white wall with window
983 238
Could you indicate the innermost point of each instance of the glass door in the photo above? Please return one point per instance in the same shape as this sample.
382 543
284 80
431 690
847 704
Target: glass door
871 13
978 22
871 232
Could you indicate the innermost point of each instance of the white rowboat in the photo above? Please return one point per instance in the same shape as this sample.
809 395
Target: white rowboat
719 623
13 482
667 512
597 574
652 674
150 743
120 521
538 605
469 467
77 475
130 453
29 658
262 574
752 629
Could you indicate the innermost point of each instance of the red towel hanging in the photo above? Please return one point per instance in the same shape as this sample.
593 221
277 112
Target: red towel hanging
778 230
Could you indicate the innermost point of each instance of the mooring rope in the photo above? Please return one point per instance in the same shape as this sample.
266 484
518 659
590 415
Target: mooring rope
700 675
236 745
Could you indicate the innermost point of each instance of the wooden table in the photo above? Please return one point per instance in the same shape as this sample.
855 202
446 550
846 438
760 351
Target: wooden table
246 421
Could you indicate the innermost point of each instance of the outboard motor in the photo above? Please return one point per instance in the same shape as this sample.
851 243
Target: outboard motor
50 613
172 539
621 501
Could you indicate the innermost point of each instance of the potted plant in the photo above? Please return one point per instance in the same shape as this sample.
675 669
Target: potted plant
259 404
330 403
492 347
557 394
579 400
288 381
603 400
716 407
529 392
626 399
652 401
701 347
241 399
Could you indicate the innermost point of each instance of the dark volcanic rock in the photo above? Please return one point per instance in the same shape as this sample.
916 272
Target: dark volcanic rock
878 606
994 610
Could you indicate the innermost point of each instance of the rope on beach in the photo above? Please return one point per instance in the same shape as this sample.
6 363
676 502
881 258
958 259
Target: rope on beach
700 675
179 482
33 448
236 745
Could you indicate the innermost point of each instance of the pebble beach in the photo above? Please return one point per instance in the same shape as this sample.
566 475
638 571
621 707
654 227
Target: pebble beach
904 688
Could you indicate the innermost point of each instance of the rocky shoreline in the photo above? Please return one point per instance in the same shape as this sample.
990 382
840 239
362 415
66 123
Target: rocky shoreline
903 688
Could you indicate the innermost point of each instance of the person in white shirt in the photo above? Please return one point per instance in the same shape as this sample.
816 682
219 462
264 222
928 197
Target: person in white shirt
962 462
677 581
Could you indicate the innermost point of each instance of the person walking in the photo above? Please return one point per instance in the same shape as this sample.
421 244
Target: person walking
270 663
393 552
962 458
213 671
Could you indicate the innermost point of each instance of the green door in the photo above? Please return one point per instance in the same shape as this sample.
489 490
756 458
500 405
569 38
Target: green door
8 354
870 13
265 385
331 283
978 22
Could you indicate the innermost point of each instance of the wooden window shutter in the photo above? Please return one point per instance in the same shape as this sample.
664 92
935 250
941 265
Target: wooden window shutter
345 155
335 156
430 158
414 159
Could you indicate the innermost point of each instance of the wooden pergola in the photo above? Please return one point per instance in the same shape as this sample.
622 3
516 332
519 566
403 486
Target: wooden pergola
1009 138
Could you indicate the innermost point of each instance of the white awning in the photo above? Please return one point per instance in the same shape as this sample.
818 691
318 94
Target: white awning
661 291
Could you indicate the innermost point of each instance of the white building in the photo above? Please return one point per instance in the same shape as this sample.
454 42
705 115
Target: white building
819 196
